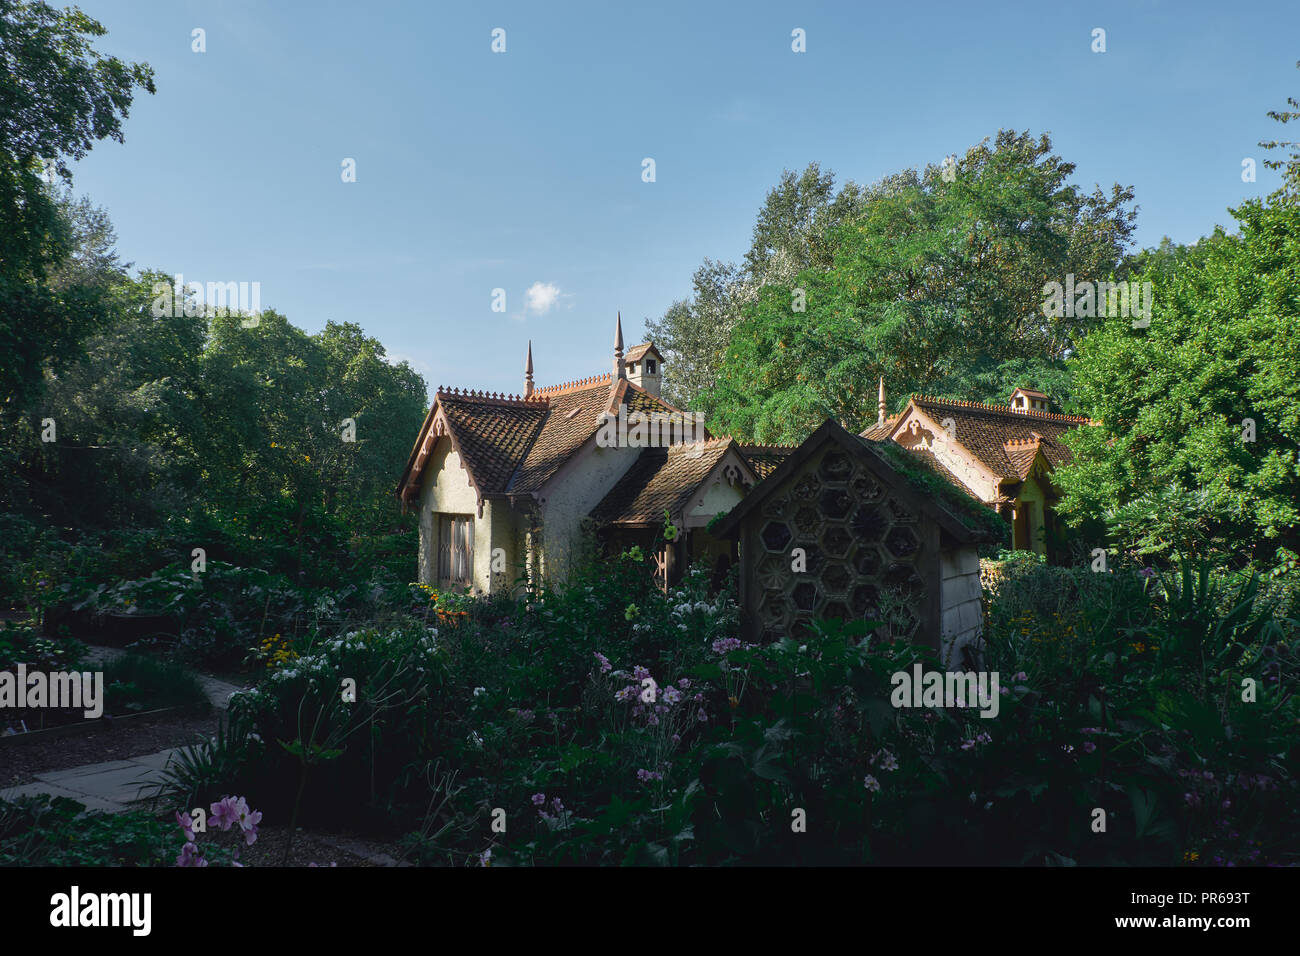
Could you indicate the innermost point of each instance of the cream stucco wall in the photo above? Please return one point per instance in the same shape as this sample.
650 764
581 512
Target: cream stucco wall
718 496
565 500
960 607
447 490
953 457
1032 491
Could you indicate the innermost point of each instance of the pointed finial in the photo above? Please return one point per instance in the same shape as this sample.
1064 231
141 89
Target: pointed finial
880 403
619 371
528 372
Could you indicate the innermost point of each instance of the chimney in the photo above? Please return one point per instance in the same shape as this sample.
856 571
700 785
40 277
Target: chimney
528 372
880 403
619 370
644 367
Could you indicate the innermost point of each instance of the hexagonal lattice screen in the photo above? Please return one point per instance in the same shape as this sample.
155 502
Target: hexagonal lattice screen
860 547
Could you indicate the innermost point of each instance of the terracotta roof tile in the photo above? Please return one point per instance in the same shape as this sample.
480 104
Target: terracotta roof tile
985 430
575 417
636 352
765 458
879 432
492 436
661 479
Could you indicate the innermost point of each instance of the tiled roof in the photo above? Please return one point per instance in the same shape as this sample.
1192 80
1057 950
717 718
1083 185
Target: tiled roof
513 445
636 352
764 458
878 431
574 418
986 430
1022 454
661 479
492 435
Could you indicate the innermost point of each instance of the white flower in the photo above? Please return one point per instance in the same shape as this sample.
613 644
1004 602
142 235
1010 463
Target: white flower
479 690
871 783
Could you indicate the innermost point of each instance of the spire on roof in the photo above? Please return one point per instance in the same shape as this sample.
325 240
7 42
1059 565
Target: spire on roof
619 370
528 372
880 403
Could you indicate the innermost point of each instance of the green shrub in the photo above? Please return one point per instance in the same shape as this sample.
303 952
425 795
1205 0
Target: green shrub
55 831
136 682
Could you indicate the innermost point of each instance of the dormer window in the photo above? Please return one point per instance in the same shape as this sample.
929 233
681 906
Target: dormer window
1026 399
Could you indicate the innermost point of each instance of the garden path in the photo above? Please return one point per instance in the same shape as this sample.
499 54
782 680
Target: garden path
113 786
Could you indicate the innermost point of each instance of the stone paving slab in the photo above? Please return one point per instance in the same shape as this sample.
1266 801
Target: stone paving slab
154 761
34 789
111 786
86 770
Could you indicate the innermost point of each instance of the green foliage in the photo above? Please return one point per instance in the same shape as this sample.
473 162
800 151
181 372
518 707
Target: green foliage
136 682
58 97
191 430
1119 688
927 286
58 832
21 643
793 231
196 773
1132 686
1175 464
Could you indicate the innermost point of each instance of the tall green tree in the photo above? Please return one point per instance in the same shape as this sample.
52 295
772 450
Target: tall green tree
58 97
794 230
936 283
1199 446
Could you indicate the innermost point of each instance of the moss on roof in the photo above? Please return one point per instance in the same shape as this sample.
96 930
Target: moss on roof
972 514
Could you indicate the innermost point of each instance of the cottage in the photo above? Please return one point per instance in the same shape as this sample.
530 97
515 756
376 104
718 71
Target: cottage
1000 455
514 490
844 527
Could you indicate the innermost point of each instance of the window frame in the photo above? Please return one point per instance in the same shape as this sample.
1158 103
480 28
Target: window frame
456 549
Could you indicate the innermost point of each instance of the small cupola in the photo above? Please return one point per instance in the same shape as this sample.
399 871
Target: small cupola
1028 400
645 367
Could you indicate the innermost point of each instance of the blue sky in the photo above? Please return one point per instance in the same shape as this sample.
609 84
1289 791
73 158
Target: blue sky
522 170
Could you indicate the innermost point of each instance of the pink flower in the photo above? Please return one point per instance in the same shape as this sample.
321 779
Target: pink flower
605 665
225 813
190 856
248 821
539 799
186 824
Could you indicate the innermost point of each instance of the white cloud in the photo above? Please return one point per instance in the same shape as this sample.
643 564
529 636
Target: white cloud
541 297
